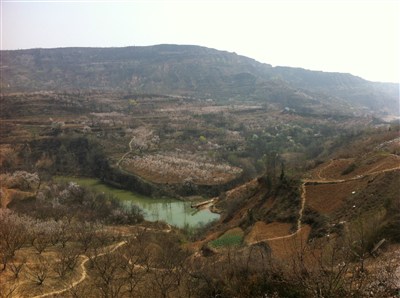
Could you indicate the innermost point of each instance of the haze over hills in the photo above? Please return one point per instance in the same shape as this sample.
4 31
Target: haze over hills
194 71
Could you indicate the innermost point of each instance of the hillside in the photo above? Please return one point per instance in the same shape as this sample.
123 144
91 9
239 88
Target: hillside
331 199
193 71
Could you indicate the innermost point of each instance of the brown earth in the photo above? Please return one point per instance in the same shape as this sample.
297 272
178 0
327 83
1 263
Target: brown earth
327 190
7 195
378 163
242 190
286 246
367 165
54 285
262 231
331 169
326 198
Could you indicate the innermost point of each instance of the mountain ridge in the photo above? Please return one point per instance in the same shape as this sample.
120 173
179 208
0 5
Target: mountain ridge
191 71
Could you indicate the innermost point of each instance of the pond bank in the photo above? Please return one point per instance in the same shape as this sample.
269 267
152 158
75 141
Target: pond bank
173 211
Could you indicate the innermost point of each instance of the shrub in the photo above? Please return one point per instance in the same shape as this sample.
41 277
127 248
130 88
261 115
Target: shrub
70 199
349 169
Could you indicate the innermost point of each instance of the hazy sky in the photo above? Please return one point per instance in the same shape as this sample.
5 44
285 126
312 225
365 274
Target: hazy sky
359 37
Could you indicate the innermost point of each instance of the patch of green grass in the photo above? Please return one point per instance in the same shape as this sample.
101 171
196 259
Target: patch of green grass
230 238
96 185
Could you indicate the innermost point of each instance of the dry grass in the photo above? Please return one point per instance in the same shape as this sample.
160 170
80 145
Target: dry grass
333 169
262 231
26 284
326 198
242 190
284 248
378 163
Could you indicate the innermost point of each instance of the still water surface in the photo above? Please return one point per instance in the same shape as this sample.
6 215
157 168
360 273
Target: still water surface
172 211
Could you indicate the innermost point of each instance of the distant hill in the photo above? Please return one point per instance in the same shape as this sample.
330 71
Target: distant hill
193 71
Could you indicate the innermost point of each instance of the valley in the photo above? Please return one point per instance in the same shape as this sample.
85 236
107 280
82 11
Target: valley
182 171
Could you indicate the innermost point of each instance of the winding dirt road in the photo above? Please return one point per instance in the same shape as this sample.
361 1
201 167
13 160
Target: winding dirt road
83 272
85 259
127 153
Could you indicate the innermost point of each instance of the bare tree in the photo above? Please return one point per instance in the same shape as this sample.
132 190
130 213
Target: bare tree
85 234
16 267
67 258
12 234
43 231
39 271
166 266
79 291
136 261
319 269
108 274
7 290
65 232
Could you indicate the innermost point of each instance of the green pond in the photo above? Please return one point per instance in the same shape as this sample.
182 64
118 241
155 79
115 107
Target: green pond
175 212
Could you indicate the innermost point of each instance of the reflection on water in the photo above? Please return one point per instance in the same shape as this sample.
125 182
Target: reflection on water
172 211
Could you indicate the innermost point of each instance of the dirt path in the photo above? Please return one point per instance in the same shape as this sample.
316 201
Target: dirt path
320 177
323 169
303 203
127 153
320 181
334 181
301 211
83 272
85 259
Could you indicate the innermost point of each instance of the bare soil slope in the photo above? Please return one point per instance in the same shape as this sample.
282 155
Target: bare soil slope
333 191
